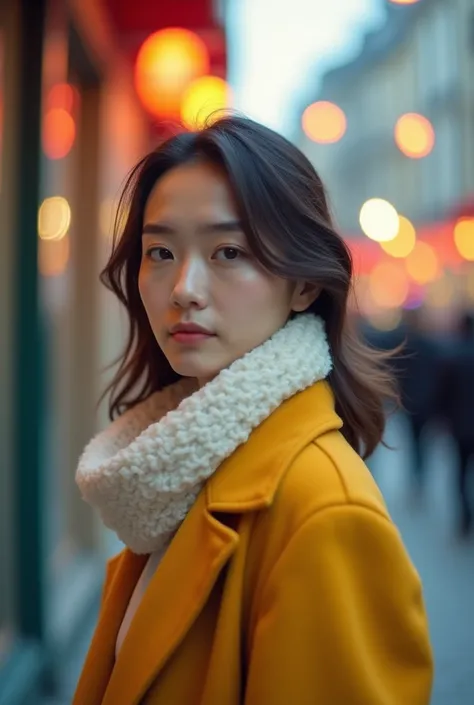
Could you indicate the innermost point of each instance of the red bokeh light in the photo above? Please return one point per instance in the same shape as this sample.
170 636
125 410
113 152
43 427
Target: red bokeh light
59 133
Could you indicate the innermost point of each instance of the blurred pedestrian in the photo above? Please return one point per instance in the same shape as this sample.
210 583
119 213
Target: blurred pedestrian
418 371
457 407
261 564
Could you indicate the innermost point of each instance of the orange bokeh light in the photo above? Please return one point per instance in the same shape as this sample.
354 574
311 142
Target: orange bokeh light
53 256
59 133
324 122
204 96
404 2
414 135
404 241
464 238
388 285
61 95
166 64
422 263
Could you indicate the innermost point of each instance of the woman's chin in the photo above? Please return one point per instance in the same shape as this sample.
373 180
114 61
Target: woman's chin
200 371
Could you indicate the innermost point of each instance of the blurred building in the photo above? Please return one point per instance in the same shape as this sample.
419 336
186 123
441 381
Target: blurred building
419 62
71 127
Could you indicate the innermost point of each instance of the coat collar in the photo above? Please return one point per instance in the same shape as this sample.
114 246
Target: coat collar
247 481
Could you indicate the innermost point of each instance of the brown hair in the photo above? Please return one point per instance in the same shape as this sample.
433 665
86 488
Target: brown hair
285 216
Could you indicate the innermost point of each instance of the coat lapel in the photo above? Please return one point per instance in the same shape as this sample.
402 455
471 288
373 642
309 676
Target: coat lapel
175 596
99 664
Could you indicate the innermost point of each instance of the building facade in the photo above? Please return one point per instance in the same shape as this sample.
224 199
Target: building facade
71 127
420 61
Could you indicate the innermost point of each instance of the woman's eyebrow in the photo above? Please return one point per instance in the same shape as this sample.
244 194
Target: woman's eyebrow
157 229
228 226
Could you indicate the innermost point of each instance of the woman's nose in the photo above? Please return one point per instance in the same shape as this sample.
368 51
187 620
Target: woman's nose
190 288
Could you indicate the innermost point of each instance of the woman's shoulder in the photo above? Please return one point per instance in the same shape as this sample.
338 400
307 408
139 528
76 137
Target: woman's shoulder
326 474
326 495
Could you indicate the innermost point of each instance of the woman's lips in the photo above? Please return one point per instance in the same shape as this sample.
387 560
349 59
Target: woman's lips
191 337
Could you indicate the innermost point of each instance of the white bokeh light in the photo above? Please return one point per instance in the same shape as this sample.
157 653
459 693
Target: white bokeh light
379 220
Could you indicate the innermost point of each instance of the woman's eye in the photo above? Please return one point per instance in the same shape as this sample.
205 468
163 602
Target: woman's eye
228 253
159 254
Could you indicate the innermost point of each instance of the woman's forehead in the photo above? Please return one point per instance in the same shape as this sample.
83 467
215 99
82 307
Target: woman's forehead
191 190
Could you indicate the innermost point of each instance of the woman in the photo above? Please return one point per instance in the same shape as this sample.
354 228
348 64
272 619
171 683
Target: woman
261 565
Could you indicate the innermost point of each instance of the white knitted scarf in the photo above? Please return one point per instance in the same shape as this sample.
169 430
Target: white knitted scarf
145 471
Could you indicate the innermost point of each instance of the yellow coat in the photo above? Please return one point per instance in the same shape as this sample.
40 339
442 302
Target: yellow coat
287 584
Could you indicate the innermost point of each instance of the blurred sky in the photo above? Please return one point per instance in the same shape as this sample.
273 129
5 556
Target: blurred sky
278 50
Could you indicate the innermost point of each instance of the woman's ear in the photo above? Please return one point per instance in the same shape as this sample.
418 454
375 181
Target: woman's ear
304 295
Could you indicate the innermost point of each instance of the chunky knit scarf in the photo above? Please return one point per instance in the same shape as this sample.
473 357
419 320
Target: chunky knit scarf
145 471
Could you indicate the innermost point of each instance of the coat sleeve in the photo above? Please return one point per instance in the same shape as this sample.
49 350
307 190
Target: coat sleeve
341 618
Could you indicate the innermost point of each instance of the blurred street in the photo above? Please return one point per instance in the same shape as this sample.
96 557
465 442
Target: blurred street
446 564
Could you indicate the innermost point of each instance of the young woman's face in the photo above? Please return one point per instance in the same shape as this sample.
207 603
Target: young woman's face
207 298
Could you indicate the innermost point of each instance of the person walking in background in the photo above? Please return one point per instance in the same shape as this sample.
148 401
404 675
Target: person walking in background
417 369
457 408
415 364
261 564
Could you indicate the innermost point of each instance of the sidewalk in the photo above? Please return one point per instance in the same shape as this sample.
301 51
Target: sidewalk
445 564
